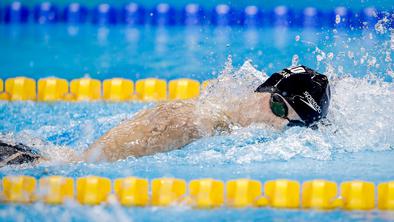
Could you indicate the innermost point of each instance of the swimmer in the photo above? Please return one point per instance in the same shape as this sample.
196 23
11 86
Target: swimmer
297 96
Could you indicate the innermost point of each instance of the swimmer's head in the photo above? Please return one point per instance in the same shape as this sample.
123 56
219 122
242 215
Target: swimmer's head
305 90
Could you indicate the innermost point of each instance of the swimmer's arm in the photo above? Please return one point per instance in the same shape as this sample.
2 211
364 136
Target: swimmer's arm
166 127
59 155
18 153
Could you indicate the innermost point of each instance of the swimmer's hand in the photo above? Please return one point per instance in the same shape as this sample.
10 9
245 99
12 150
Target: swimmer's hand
17 154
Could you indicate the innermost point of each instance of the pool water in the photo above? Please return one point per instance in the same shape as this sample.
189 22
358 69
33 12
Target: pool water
194 52
358 144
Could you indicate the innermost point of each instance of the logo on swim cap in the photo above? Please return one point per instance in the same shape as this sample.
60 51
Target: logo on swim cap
294 70
297 69
284 73
311 102
306 91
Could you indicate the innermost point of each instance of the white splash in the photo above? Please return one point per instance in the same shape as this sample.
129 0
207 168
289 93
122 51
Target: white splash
360 118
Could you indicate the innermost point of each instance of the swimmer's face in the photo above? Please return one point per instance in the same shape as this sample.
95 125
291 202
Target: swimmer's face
267 116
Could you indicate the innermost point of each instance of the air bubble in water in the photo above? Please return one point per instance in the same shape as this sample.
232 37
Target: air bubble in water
390 73
337 19
388 57
350 54
340 69
380 25
295 60
320 54
330 55
371 61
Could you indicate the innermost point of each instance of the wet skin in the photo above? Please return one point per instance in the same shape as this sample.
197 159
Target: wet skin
172 125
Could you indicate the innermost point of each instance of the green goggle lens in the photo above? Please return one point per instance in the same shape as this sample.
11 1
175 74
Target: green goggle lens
278 106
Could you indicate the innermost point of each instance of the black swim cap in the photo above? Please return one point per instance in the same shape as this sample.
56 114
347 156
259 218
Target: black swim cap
307 91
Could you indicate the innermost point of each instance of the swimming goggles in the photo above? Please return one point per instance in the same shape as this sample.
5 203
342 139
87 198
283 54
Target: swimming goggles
279 108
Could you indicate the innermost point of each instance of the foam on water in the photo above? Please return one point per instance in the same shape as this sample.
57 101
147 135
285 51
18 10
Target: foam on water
354 143
360 119
360 116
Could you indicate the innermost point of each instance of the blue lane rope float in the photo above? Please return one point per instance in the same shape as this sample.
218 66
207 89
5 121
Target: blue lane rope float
193 14
252 16
104 14
75 13
282 16
342 17
133 14
46 13
165 14
199 193
369 17
16 13
224 15
311 18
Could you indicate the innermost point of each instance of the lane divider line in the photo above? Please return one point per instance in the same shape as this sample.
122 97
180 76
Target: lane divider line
203 193
87 89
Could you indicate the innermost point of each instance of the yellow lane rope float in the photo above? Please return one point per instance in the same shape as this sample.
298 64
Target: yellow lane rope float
200 193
